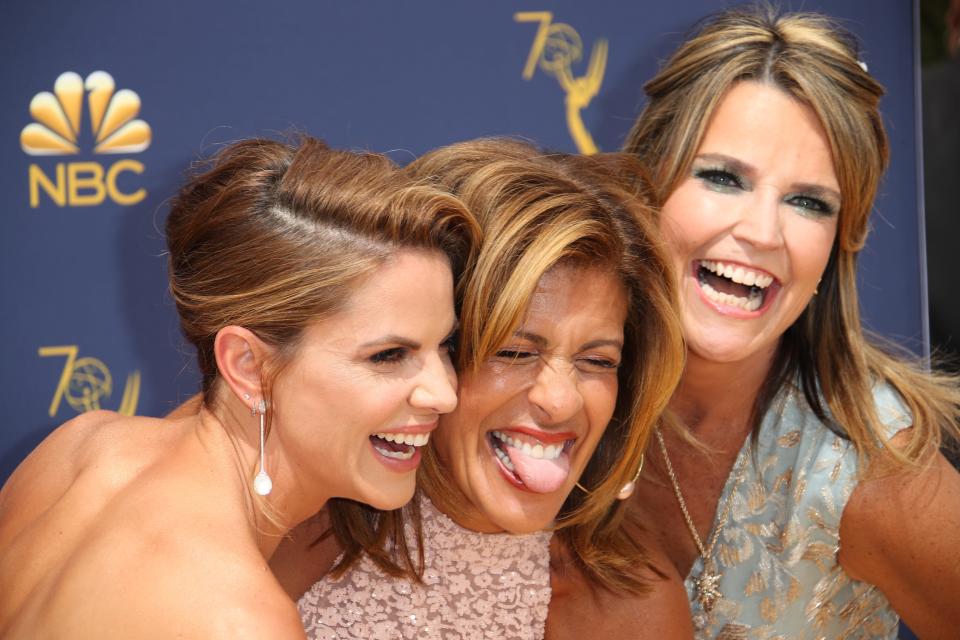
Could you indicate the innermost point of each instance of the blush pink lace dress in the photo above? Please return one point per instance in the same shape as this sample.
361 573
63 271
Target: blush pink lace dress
475 585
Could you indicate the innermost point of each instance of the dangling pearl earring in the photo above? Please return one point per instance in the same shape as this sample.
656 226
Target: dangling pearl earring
627 490
262 483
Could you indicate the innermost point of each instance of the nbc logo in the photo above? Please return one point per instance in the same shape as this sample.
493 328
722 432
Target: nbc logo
56 131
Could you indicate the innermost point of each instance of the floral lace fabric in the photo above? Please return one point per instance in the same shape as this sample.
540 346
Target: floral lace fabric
778 552
475 586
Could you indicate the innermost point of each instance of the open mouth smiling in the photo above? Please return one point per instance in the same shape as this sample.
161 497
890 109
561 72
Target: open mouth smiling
398 446
735 285
540 464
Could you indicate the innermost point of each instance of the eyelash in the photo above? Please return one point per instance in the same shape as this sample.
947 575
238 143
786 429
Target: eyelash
815 205
516 354
396 354
726 180
714 177
388 355
450 344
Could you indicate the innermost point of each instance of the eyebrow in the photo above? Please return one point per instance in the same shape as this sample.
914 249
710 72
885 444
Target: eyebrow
404 342
541 342
392 339
740 166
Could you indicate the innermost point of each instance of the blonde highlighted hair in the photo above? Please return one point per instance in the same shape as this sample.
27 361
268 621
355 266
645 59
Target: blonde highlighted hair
815 61
538 211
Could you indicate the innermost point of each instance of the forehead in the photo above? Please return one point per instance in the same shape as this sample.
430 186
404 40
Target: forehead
767 128
579 294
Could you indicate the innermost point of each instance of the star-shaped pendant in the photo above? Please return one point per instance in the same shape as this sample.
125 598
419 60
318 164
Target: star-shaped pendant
708 589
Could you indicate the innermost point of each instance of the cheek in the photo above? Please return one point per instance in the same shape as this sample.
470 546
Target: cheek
600 400
812 246
688 220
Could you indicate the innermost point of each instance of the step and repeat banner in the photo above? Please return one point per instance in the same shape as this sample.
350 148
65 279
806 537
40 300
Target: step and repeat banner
106 104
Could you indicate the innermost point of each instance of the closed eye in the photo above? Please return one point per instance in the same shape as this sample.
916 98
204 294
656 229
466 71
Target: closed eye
600 363
515 354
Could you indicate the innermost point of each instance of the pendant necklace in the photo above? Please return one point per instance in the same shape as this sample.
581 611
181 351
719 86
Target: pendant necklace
708 582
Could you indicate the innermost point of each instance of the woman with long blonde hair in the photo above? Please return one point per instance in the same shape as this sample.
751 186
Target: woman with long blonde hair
804 495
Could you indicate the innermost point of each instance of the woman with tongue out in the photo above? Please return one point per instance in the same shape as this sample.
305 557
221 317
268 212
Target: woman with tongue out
570 348
811 501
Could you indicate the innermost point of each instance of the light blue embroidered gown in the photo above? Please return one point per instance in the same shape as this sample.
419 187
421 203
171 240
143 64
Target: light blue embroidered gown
778 552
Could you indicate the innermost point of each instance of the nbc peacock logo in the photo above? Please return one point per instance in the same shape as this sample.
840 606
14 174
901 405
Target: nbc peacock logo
58 130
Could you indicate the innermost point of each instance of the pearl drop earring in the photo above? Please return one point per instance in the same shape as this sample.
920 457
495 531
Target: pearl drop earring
262 483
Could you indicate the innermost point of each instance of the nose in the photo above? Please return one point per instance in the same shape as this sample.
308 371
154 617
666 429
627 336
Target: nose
555 393
759 222
436 386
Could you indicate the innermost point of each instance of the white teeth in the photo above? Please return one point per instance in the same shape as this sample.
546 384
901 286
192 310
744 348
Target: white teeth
409 439
398 455
538 451
504 458
739 274
747 304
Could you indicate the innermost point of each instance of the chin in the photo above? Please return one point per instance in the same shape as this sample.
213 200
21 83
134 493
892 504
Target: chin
520 512
398 495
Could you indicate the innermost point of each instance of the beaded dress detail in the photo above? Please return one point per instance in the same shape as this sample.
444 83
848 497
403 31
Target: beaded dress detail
778 551
475 585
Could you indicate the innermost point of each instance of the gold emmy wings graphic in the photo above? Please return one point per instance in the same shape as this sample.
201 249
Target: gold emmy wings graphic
85 381
556 46
58 116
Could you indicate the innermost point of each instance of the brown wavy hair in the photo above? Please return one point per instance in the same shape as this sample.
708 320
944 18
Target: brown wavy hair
815 61
538 210
275 236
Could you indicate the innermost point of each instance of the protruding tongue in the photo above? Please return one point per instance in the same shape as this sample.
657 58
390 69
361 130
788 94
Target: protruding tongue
539 474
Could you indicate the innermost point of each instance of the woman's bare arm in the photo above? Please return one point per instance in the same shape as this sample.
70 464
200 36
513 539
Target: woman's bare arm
902 534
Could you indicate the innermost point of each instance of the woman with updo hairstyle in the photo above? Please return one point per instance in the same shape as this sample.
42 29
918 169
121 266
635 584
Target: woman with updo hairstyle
569 350
317 289
803 494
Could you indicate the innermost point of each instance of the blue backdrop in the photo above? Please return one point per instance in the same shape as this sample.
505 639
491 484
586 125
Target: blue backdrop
87 168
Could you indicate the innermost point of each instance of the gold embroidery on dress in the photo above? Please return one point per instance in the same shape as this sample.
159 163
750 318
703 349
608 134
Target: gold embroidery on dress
733 631
790 439
755 584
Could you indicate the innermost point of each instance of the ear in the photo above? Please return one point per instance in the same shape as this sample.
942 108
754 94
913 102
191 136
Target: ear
240 358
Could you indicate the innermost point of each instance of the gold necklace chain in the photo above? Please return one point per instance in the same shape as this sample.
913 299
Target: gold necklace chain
708 583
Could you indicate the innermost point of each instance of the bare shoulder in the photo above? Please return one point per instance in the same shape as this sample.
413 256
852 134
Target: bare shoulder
81 444
304 556
579 609
900 532
207 580
254 614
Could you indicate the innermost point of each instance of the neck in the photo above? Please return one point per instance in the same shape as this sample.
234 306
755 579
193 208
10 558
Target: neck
715 399
232 428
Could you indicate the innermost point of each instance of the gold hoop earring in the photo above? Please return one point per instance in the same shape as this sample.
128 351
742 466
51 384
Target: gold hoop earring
626 490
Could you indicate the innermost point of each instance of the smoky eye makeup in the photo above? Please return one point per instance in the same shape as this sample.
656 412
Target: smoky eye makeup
813 205
720 177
